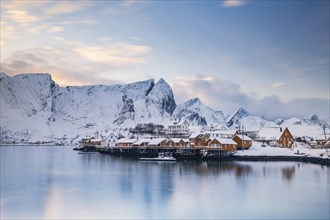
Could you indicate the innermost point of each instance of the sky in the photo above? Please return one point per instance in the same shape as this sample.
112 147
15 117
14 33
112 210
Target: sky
271 57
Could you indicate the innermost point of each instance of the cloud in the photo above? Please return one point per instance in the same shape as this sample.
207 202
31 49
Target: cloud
6 31
227 96
233 3
129 3
71 63
23 5
55 29
64 68
278 84
134 38
65 7
272 107
58 38
20 16
114 54
218 94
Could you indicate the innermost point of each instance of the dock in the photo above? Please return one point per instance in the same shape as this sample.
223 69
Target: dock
180 153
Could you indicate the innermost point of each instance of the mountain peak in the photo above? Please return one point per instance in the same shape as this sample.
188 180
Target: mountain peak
243 111
161 80
238 114
194 101
3 75
162 95
196 113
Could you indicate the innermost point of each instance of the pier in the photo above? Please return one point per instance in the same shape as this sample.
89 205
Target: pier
180 153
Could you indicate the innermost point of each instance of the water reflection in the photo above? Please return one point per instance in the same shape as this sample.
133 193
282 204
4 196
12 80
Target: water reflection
217 168
50 182
288 173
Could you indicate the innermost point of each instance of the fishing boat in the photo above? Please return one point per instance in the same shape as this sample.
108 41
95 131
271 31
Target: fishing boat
167 156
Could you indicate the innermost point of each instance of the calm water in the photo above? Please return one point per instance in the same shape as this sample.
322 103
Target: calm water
56 182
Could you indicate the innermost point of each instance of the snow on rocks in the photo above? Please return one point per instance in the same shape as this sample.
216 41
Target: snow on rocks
300 149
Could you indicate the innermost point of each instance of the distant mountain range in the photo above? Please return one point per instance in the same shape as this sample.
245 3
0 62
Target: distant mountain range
34 108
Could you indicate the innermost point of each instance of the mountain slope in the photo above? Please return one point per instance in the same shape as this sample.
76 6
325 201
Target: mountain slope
236 116
34 108
196 113
299 126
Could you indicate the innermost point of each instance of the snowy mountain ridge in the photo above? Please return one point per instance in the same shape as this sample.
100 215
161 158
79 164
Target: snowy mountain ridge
299 126
34 108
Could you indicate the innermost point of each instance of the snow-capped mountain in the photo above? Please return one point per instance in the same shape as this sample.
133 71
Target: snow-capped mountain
298 126
310 126
236 116
196 113
33 107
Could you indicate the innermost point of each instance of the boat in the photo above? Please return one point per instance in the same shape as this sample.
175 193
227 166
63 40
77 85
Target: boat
161 157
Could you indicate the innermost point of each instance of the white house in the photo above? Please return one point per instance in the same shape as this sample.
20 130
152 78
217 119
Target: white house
178 127
221 133
110 140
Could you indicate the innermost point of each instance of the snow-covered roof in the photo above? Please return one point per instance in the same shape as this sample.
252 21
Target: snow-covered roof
126 141
179 122
243 137
273 133
222 132
176 140
141 141
225 141
194 135
95 140
156 141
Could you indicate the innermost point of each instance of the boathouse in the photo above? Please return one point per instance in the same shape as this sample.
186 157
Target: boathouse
92 142
178 143
223 144
199 140
158 142
242 141
142 142
125 142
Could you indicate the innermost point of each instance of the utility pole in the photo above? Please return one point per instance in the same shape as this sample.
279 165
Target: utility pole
243 137
325 137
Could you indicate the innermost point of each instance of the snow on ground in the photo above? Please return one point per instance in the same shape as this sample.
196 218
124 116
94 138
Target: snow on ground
300 149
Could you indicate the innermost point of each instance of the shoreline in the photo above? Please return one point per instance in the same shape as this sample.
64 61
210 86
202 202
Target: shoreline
256 158
314 160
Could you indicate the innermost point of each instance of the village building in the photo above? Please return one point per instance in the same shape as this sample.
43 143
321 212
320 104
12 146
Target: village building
158 142
125 142
199 139
222 133
110 140
178 142
276 135
92 142
142 142
223 144
178 128
242 141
